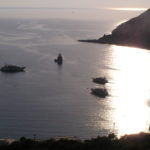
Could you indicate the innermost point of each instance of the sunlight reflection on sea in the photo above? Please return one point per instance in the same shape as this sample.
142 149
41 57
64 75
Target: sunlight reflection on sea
130 91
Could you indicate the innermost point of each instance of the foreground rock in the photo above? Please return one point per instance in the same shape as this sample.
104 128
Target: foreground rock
135 32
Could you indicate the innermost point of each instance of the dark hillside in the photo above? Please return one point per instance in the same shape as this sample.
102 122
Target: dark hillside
135 32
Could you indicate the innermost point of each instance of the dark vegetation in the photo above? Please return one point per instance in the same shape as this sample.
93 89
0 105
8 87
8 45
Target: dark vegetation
111 142
135 32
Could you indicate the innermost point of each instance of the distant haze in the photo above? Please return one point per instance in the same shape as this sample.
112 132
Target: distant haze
74 4
83 9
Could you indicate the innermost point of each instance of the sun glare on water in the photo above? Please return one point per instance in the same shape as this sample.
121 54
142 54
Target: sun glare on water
131 90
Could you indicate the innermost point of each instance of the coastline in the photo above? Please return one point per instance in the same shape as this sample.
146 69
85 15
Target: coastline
111 42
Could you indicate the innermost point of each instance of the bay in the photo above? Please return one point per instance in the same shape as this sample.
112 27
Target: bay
51 101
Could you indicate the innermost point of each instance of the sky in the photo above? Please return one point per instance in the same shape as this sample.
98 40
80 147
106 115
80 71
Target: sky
73 3
79 9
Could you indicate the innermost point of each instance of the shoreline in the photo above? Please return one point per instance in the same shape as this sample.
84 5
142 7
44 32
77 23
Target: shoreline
101 41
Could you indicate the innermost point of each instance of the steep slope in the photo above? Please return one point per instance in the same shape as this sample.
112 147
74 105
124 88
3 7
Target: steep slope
135 32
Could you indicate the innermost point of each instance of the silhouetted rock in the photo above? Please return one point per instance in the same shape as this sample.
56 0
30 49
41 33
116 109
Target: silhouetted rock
135 32
59 59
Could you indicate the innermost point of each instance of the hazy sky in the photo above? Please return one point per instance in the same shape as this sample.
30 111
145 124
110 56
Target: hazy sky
6 12
74 4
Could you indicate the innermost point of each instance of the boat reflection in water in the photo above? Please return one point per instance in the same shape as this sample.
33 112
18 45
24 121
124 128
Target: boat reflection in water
130 91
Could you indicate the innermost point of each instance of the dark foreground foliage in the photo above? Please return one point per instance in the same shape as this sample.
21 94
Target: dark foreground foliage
129 142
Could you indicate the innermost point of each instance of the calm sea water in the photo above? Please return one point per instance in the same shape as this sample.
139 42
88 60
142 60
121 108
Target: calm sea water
50 101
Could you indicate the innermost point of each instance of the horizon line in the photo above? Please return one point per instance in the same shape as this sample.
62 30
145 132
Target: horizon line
63 8
128 9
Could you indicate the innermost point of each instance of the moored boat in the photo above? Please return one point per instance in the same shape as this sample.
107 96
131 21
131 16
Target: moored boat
100 80
99 92
12 68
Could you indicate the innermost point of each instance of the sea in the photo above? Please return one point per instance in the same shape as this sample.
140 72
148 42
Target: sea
49 101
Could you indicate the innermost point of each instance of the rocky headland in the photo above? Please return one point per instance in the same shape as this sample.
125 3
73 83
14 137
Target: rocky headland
135 32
